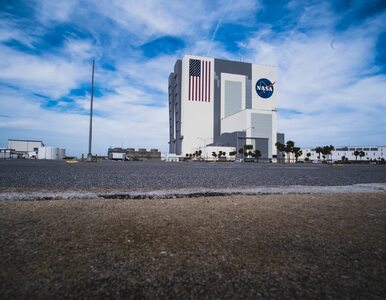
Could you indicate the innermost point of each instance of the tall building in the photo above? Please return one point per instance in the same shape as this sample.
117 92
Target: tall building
222 103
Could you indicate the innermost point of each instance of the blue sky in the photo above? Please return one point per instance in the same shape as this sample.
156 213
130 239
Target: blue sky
331 59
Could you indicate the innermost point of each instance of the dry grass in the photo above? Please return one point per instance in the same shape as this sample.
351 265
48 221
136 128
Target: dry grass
303 246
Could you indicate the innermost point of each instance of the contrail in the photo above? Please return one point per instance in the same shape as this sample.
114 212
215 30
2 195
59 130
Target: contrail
214 34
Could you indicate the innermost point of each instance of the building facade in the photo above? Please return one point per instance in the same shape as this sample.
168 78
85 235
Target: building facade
24 146
132 154
351 153
31 149
222 103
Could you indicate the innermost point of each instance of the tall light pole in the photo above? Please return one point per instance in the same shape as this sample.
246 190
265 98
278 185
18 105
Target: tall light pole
237 139
89 155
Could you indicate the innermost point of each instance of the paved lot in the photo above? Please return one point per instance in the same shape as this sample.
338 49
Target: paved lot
144 176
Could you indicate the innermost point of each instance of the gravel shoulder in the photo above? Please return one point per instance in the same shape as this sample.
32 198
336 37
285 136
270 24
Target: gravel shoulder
265 246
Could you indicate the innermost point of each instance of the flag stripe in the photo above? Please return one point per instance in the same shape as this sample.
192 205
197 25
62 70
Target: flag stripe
195 96
189 87
202 82
199 80
209 83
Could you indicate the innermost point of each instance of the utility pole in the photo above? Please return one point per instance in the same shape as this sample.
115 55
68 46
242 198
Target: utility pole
89 155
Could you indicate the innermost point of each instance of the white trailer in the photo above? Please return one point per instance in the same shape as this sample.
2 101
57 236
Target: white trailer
118 156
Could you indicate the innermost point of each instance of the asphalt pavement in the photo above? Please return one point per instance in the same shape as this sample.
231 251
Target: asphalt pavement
159 175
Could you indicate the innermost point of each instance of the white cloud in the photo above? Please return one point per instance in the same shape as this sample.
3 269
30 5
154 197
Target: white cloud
50 76
152 73
329 78
193 20
56 11
131 125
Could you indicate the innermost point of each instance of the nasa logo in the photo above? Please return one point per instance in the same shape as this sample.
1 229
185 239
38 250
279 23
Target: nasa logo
264 88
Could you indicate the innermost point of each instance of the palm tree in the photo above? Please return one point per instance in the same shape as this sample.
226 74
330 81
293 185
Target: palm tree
289 148
241 151
248 147
361 154
257 154
326 150
280 148
308 156
318 150
297 152
247 150
356 153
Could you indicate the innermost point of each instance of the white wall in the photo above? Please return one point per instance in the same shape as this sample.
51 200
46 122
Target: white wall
268 72
196 116
50 153
265 105
236 122
349 154
24 146
207 152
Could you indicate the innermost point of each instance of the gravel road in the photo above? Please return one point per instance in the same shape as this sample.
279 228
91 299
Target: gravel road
328 246
146 176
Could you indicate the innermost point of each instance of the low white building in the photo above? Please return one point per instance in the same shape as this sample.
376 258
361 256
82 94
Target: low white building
24 146
32 149
207 152
370 153
51 153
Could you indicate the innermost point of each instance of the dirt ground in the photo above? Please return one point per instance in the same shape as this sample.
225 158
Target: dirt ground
326 246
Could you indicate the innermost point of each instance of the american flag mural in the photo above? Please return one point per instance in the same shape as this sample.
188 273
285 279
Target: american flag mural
199 80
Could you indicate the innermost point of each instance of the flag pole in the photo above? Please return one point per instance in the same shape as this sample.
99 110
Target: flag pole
89 155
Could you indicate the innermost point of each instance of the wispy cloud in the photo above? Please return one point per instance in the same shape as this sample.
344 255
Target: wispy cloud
331 72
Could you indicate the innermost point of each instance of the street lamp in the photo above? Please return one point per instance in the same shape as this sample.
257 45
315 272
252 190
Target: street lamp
205 143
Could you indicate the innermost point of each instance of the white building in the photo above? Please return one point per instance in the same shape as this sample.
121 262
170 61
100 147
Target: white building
215 102
51 153
32 149
24 146
370 153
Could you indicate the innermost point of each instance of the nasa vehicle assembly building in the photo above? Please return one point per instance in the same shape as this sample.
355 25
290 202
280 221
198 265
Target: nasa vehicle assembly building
215 102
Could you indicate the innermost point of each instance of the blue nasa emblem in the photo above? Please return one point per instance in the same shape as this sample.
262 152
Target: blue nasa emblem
264 88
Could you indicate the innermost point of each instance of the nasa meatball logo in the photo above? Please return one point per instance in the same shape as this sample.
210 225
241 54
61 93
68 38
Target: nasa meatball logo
264 88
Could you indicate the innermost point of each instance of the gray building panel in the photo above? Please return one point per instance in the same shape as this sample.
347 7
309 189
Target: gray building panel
232 97
262 145
231 67
262 130
171 113
248 94
175 108
178 70
262 124
280 138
